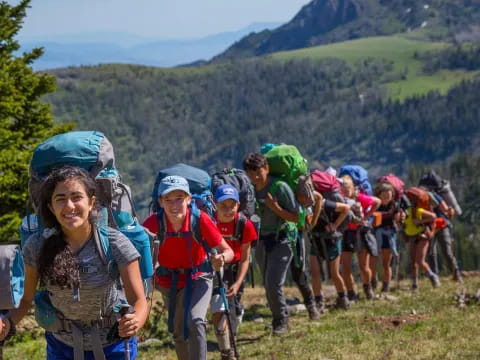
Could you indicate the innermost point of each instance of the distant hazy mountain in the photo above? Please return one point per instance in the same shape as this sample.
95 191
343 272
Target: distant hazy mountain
106 47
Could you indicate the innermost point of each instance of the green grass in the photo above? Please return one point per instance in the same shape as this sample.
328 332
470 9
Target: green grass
434 328
398 49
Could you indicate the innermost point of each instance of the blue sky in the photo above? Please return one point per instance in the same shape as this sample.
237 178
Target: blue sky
152 18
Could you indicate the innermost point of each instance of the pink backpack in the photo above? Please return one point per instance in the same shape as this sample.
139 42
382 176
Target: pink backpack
397 184
327 184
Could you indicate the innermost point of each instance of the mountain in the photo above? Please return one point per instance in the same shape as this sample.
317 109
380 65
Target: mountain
100 48
327 21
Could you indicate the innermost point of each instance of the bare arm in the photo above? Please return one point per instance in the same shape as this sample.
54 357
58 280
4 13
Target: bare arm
427 218
273 204
224 255
317 209
343 210
376 204
130 324
242 270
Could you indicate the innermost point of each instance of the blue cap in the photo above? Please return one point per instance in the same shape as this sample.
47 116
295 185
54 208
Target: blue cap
172 183
225 192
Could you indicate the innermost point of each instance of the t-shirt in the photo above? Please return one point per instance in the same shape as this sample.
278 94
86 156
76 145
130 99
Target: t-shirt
98 292
286 199
327 216
366 203
249 234
388 211
410 227
175 252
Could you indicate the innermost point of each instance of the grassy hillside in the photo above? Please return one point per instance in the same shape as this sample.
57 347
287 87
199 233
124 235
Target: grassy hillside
401 51
423 325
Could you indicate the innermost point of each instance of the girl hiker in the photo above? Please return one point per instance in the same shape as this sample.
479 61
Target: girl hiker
274 249
80 290
359 237
184 275
417 234
239 233
327 244
386 234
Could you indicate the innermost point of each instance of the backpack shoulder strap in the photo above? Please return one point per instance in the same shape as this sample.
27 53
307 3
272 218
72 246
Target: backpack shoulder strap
196 231
162 227
102 243
240 226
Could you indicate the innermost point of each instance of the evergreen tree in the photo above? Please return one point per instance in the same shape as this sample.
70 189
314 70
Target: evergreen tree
25 121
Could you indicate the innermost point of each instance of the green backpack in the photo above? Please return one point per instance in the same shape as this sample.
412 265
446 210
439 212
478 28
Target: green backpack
287 164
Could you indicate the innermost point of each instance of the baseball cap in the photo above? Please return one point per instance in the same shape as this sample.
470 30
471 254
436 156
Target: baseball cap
225 192
172 183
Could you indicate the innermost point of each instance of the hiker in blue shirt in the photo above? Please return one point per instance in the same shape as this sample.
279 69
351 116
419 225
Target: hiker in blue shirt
80 291
274 251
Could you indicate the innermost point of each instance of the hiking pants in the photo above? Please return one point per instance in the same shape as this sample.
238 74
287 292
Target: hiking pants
57 350
299 274
274 257
195 347
443 238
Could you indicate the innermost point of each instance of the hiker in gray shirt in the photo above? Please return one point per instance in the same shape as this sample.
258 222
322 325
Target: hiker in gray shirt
80 290
277 206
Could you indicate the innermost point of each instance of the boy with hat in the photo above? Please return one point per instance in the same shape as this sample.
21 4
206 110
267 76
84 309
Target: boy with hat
184 275
239 232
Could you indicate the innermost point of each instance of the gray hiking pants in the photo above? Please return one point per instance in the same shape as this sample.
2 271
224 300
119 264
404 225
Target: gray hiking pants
274 259
443 238
195 348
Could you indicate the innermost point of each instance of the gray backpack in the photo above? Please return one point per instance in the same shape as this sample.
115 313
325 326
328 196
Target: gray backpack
12 276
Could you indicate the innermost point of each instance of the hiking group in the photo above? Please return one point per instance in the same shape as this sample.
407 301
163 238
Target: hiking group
91 268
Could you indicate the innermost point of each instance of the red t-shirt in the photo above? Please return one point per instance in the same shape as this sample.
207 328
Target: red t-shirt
365 202
249 234
175 253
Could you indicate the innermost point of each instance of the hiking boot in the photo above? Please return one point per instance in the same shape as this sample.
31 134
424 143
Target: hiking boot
352 296
369 294
280 327
322 309
457 276
385 287
313 312
414 286
342 303
228 354
374 283
435 280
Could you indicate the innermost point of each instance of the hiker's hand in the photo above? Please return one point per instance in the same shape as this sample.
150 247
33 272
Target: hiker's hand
217 260
331 228
271 202
233 289
5 327
450 212
128 325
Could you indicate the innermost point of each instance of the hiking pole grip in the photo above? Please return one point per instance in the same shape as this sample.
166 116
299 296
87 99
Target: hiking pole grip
124 310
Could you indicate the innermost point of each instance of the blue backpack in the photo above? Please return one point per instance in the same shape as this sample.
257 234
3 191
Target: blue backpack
199 181
359 176
92 151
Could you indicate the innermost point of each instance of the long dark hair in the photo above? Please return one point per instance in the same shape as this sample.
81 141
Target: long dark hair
57 264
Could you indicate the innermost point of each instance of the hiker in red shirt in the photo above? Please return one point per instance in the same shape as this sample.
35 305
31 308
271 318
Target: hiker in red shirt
184 275
239 233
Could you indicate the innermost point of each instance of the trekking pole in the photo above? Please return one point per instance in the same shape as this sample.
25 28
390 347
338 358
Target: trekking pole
223 294
122 311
